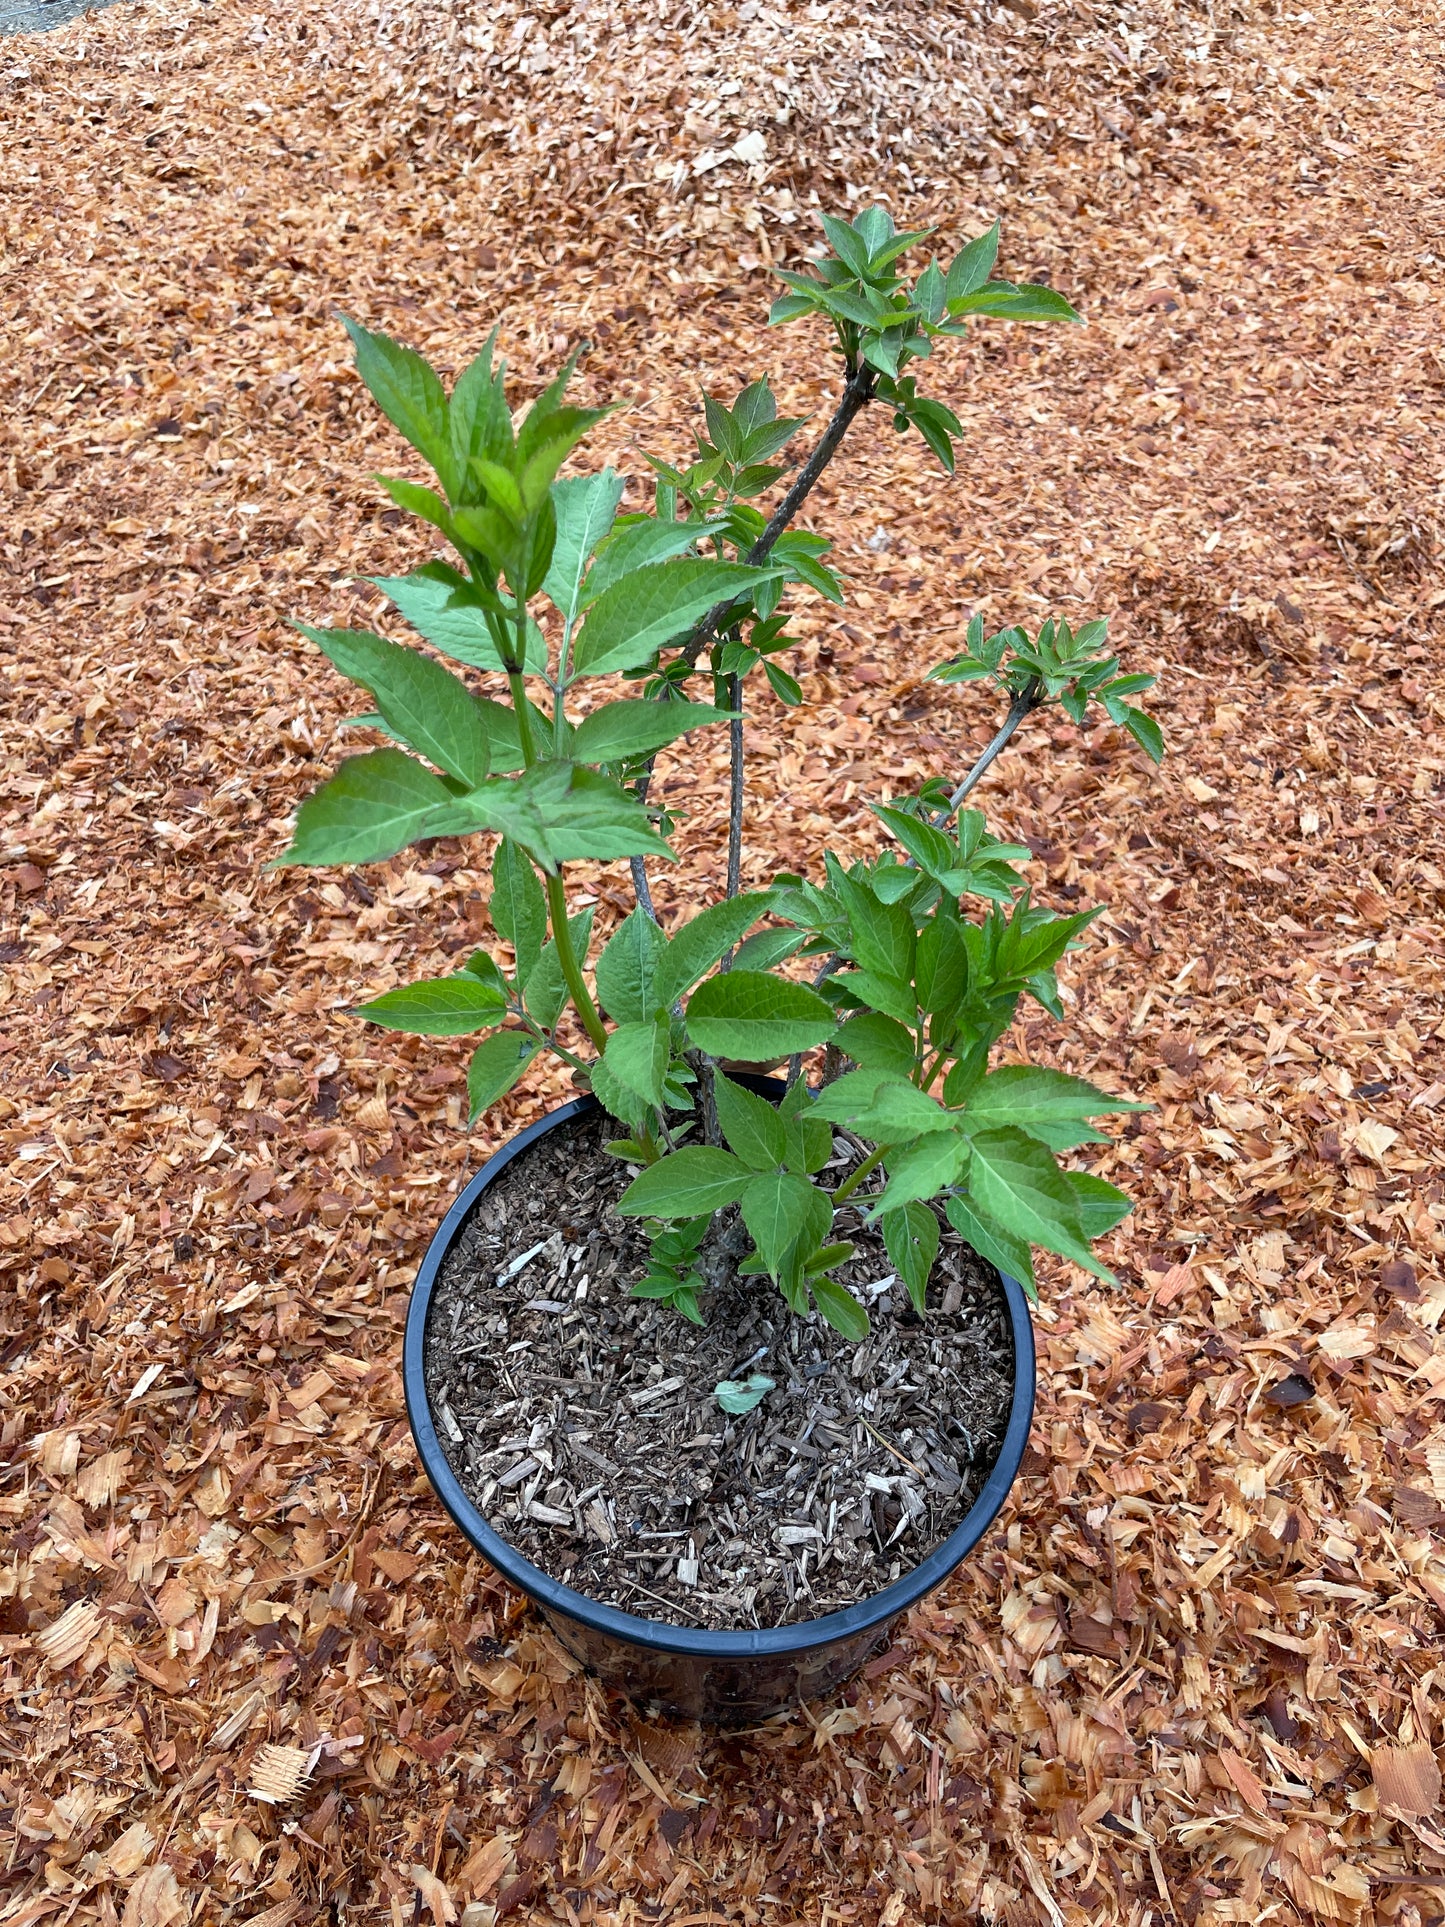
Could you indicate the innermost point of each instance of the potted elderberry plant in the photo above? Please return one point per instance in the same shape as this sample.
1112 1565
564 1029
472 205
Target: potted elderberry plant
724 1369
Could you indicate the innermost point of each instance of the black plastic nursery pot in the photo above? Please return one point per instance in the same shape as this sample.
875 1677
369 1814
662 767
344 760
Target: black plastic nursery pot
724 1678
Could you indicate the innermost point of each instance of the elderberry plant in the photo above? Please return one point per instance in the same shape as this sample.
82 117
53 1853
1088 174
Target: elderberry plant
907 966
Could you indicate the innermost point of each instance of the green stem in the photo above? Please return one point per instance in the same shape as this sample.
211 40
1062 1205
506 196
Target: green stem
571 968
517 685
926 1076
549 1038
866 1169
564 663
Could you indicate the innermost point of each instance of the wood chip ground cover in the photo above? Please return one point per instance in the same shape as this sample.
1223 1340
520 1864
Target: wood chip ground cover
249 1672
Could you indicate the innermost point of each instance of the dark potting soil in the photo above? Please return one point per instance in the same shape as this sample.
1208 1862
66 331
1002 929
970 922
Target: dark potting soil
583 1423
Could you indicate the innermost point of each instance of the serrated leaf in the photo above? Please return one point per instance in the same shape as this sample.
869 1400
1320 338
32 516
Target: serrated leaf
725 437
419 500
781 1210
641 545
752 1127
941 975
791 307
752 1016
992 1241
685 1184
755 407
700 943
1006 302
894 996
563 812
633 619
630 970
885 1109
971 269
586 507
911 1238
447 610
518 906
545 990
1047 1104
850 247
373 806
880 935
1016 1181
878 1043
425 706
1101 1205
479 421
785 687
438 1007
817 576
622 730
840 1308
767 949
406 389
922 1169
1146 733
637 1055
495 1067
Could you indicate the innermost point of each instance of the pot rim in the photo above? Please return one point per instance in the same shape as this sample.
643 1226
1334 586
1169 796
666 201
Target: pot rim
663 1635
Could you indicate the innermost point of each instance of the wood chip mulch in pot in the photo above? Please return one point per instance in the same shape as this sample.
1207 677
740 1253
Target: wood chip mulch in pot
249 1673
583 1423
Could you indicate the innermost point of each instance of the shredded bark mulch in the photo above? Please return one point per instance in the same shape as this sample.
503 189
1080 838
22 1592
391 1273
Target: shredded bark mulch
583 1424
248 1670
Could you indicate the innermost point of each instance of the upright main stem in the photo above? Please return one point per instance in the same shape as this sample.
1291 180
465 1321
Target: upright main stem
556 893
857 393
856 396
571 968
735 787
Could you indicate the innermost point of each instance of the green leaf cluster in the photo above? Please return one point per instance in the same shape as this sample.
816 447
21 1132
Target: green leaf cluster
1061 664
672 1276
767 1171
884 322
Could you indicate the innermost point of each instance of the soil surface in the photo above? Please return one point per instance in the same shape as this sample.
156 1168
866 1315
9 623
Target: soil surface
584 1425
